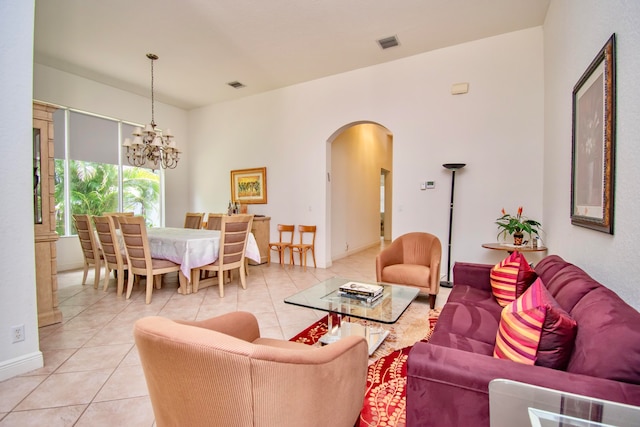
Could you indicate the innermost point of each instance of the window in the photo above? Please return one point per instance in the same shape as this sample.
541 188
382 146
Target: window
93 177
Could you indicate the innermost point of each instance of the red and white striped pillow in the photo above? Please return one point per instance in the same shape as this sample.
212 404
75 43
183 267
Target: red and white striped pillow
510 278
534 329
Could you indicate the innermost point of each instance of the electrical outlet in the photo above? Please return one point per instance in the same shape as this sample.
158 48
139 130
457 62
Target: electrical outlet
17 333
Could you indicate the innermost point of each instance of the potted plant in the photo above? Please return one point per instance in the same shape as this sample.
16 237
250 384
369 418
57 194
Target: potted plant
517 224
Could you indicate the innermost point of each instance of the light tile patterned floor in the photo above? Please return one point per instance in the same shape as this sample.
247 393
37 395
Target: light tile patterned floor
92 374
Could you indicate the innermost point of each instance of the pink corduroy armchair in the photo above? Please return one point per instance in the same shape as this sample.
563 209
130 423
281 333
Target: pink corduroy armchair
412 259
221 372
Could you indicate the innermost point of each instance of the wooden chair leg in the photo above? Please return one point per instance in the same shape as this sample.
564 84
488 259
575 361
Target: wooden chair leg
432 301
243 280
221 283
130 285
96 278
86 271
120 281
106 279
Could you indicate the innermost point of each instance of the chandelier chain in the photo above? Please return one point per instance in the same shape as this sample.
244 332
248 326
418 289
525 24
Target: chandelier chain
153 120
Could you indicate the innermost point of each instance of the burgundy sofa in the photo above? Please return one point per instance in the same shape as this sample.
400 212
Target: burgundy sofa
448 377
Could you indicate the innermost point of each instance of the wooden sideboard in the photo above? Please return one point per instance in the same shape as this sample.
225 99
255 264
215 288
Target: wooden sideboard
261 230
44 216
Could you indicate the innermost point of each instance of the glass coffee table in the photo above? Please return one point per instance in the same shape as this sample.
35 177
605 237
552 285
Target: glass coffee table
387 309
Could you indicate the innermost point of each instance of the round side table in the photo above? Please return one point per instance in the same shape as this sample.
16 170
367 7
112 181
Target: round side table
512 248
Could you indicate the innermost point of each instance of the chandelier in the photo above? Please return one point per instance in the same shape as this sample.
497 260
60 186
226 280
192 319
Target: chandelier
150 145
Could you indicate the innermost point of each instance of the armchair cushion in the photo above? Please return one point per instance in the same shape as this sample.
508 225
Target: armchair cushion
417 275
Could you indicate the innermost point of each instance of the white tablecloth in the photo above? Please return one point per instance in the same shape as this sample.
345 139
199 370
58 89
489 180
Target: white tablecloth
192 248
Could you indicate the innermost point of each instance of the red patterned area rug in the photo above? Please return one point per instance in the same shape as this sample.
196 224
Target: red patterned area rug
385 396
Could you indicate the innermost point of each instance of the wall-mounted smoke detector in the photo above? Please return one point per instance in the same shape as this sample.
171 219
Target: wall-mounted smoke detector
236 85
388 42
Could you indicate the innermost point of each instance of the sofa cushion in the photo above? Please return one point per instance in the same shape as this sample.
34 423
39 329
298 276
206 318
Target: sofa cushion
477 320
534 329
607 344
461 342
510 278
417 275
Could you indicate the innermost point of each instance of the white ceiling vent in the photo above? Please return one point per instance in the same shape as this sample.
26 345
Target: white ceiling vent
388 42
236 85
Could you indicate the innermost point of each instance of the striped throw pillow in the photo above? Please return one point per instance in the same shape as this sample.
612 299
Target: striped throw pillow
534 329
510 278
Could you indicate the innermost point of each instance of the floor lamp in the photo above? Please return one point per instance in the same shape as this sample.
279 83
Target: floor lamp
453 167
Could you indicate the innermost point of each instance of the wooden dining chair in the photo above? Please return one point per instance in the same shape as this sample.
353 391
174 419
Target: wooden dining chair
115 260
214 221
90 248
193 220
136 243
282 244
116 215
302 248
234 233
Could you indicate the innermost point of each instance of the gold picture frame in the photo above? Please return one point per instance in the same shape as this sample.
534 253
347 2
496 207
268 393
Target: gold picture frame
593 143
249 186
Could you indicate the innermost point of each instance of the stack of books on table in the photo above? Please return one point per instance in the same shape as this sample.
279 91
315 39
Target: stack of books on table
365 292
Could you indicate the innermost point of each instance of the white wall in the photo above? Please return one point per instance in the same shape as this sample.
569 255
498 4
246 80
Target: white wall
18 285
61 88
357 155
574 32
497 129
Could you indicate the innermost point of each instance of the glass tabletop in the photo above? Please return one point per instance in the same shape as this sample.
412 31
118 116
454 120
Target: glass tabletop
512 403
325 296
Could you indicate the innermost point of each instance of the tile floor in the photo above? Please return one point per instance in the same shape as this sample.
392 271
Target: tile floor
92 374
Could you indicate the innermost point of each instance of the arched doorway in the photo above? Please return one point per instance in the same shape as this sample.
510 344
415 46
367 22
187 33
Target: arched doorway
359 160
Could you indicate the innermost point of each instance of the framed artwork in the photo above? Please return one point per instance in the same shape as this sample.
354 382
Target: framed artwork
593 143
249 186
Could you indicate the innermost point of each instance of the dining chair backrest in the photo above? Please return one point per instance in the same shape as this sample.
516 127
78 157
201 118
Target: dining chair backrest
113 253
90 248
193 220
116 215
234 233
306 230
136 243
214 221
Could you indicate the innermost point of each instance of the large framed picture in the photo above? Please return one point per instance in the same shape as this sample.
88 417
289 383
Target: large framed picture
593 143
249 186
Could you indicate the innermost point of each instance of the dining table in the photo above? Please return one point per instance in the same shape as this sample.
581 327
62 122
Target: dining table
191 248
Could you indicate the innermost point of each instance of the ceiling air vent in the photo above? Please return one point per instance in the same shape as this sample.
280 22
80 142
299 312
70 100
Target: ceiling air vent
388 42
236 85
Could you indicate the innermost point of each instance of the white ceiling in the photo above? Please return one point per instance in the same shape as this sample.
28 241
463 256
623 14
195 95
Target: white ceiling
264 44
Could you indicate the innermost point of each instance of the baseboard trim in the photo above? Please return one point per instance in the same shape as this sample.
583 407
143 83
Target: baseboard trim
20 365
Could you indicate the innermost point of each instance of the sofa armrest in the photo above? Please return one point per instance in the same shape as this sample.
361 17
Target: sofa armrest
474 275
438 375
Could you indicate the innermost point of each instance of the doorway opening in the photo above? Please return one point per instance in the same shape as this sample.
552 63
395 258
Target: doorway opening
359 188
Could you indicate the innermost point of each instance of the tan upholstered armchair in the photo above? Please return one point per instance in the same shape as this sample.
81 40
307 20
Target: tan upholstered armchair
221 372
412 259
